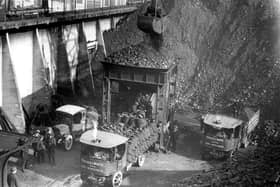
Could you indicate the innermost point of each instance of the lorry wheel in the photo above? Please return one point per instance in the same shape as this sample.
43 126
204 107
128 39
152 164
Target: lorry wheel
68 143
117 179
140 160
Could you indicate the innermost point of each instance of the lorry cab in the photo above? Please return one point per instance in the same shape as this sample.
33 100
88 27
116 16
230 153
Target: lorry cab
71 121
221 135
103 158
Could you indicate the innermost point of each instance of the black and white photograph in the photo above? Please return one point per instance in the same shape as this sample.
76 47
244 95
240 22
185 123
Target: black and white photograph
139 93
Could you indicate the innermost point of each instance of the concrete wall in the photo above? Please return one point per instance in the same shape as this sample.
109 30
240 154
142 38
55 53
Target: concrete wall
58 6
30 61
10 92
70 39
47 54
22 57
90 30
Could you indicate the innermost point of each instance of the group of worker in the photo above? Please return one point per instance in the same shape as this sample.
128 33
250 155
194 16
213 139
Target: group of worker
45 144
142 104
142 108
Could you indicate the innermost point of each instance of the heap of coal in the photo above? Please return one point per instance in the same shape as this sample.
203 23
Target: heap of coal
140 55
255 166
227 52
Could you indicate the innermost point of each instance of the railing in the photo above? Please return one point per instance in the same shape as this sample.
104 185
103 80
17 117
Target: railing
131 2
66 5
63 5
46 8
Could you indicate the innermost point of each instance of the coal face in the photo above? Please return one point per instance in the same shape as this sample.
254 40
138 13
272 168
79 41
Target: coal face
226 50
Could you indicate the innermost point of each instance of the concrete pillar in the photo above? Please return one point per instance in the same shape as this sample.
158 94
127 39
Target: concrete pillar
38 71
64 85
84 70
99 36
1 82
11 98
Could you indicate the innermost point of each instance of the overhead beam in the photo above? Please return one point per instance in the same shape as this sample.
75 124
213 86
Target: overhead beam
68 17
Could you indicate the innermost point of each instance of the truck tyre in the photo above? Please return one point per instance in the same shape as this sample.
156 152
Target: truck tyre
68 142
117 179
140 160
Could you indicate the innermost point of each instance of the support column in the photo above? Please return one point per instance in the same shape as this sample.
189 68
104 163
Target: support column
64 84
99 36
1 75
106 100
11 98
39 78
84 69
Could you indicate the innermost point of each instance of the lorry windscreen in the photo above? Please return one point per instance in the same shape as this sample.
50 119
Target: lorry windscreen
97 153
63 118
222 133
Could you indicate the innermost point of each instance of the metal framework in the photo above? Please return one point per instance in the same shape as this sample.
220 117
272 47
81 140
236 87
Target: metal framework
164 80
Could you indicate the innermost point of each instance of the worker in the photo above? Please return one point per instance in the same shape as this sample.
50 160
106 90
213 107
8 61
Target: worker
12 178
173 135
149 110
34 145
23 155
40 149
135 107
50 145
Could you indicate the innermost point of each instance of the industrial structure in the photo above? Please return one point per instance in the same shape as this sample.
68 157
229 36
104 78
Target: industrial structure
43 42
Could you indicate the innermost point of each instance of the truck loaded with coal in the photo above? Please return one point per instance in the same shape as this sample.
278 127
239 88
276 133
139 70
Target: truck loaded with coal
147 95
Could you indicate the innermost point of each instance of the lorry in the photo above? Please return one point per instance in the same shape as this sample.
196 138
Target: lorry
121 86
223 135
69 122
105 159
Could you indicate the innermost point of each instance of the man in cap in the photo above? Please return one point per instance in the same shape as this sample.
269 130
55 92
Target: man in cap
174 133
12 178
40 148
50 145
23 154
37 135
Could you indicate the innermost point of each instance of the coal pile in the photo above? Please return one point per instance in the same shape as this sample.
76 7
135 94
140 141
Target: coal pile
140 55
254 166
140 138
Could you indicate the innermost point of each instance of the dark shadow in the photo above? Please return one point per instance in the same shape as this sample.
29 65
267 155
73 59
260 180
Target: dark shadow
67 164
147 178
188 142
157 178
156 41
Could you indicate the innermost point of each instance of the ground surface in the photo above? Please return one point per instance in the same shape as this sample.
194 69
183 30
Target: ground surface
159 170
